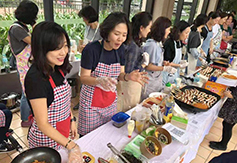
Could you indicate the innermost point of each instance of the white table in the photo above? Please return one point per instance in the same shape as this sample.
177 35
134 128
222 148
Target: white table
198 126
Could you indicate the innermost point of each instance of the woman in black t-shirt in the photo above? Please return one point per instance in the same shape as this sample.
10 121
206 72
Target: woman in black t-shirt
102 65
48 91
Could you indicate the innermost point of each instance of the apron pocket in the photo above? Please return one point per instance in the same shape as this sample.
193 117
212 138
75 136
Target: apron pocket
102 98
64 127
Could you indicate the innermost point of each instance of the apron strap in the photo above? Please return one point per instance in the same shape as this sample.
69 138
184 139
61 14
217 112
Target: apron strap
53 85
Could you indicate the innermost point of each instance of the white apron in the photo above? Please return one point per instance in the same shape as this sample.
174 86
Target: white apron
178 56
192 61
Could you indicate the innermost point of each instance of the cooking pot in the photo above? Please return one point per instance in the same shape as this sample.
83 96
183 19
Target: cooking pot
9 99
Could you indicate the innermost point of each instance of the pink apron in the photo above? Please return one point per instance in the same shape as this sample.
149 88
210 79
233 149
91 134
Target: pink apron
59 116
98 106
2 119
22 60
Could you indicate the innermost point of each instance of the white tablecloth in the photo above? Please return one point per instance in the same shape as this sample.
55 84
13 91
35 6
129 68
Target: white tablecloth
198 126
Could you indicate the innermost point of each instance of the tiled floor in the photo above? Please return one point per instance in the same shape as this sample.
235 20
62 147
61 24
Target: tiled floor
204 155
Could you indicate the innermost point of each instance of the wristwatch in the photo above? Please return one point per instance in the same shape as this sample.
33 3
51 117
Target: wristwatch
73 119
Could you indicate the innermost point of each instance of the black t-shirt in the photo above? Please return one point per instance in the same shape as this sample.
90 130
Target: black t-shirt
37 86
91 55
205 32
169 53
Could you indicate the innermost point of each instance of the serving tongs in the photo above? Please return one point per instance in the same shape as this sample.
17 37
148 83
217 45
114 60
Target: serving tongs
117 153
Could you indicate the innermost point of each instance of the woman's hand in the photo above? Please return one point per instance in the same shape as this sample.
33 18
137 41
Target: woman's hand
166 63
137 76
228 94
73 130
74 155
106 83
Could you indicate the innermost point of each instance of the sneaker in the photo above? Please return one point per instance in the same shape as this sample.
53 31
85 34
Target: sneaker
6 147
25 123
217 146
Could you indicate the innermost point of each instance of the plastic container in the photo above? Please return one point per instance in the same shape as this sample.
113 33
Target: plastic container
5 63
131 125
120 119
167 88
169 104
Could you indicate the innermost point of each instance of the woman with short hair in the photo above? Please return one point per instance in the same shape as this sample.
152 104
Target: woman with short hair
160 30
102 64
92 31
20 43
173 49
135 59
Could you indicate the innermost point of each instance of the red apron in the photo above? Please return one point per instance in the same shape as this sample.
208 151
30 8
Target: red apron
98 106
59 116
2 119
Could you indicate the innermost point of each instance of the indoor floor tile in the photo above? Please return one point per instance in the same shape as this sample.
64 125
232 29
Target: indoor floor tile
198 159
211 156
203 152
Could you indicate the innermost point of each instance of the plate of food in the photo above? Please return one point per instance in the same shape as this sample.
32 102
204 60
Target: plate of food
154 98
195 99
229 76
210 71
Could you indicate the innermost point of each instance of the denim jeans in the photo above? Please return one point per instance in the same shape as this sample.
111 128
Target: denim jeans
24 107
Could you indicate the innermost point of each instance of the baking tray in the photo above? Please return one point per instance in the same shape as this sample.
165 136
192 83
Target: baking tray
222 64
192 108
214 68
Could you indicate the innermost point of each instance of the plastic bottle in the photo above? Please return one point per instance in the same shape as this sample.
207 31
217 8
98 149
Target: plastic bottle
73 50
169 105
167 88
131 125
5 63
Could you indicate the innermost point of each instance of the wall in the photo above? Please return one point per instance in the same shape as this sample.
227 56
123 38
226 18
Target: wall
212 6
163 8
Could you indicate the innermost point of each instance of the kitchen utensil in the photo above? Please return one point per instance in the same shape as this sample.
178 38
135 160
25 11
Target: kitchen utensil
39 153
117 153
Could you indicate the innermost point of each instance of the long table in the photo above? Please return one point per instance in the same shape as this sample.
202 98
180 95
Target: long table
199 125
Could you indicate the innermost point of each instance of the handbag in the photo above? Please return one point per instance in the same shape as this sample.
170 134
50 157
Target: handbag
223 45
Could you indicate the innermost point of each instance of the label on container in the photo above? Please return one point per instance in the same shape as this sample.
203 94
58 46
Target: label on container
168 110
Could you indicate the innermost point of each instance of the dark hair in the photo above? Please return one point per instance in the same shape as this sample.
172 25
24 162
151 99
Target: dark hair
178 29
26 12
89 13
233 11
140 19
201 19
158 28
223 14
111 21
231 15
213 15
48 36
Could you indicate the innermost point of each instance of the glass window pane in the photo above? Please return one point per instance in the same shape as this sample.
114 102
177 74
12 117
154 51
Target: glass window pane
108 6
137 6
66 14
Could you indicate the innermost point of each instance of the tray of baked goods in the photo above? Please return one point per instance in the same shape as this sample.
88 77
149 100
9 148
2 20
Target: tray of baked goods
195 99
210 71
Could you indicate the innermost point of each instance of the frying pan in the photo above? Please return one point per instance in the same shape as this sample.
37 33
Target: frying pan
49 155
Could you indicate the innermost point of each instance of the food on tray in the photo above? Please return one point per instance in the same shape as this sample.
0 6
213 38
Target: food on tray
195 97
228 76
150 101
152 147
210 71
36 161
222 59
